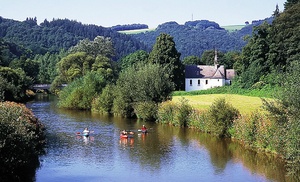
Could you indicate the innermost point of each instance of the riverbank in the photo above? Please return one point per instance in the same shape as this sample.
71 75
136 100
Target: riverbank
217 114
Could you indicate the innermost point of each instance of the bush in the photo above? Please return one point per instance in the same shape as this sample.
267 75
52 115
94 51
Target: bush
166 112
198 119
104 102
21 140
146 110
80 93
221 115
182 114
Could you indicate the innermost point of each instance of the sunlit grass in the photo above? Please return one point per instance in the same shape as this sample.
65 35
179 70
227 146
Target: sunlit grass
245 104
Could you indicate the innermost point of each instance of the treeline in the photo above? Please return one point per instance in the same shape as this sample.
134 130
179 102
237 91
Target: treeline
52 36
195 37
129 27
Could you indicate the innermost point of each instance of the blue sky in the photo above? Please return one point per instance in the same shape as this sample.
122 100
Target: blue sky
151 12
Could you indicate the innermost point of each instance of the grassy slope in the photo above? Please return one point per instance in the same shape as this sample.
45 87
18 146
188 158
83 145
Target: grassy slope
232 28
245 104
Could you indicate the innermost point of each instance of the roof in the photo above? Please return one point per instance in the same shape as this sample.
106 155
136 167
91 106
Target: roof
230 73
204 71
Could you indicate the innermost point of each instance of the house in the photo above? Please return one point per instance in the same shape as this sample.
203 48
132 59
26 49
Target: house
202 77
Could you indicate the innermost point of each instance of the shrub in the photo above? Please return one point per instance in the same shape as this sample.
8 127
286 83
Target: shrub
21 140
221 115
104 102
198 119
146 110
166 112
182 114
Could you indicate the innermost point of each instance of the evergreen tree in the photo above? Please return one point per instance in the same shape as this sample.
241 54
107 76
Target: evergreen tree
165 53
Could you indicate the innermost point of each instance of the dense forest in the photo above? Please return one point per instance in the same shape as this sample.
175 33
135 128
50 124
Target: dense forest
195 37
52 36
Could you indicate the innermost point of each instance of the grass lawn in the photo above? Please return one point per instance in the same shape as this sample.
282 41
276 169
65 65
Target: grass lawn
245 104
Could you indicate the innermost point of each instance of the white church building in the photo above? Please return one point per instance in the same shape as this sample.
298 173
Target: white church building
202 77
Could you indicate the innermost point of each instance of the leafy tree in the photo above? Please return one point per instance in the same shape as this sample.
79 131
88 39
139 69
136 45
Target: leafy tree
253 63
230 58
80 93
289 3
74 66
140 84
133 58
100 46
164 53
13 84
192 60
208 57
285 113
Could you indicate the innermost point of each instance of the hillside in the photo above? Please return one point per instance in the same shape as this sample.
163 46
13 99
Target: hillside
62 34
195 37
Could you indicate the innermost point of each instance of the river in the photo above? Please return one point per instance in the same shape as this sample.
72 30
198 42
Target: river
166 153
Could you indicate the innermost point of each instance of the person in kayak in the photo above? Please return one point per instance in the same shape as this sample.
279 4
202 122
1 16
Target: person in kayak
144 128
86 131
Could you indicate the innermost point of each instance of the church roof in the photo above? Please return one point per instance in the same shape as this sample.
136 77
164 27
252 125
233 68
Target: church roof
205 71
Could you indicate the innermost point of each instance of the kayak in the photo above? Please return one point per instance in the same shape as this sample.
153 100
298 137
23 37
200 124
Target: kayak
85 134
143 130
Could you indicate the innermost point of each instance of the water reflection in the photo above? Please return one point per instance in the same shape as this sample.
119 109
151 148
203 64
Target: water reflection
166 153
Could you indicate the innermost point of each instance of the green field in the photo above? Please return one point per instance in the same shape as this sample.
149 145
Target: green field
137 31
232 28
245 104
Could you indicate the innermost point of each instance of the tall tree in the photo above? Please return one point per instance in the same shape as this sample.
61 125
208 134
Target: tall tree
192 60
99 46
165 53
290 3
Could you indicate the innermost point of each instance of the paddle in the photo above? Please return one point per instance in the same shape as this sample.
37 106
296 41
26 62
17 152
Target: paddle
79 133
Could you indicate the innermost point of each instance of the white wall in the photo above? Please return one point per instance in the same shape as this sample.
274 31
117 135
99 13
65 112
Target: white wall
204 84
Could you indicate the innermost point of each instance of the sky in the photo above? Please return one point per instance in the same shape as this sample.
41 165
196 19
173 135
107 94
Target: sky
108 13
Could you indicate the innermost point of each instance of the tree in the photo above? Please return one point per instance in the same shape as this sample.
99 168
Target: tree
192 60
165 53
289 3
100 46
141 84
133 58
13 84
74 66
209 56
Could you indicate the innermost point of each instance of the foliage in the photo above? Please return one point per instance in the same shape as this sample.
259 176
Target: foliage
47 66
195 37
222 114
146 110
285 115
80 93
129 27
13 84
99 46
74 66
21 141
133 58
52 36
164 53
141 83
192 60
104 102
175 114
166 112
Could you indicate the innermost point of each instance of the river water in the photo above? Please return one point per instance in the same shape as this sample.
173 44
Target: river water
166 153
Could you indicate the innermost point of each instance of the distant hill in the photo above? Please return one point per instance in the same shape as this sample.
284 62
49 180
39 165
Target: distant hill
62 34
194 37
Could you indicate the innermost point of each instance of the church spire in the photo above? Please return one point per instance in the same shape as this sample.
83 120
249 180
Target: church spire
216 58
